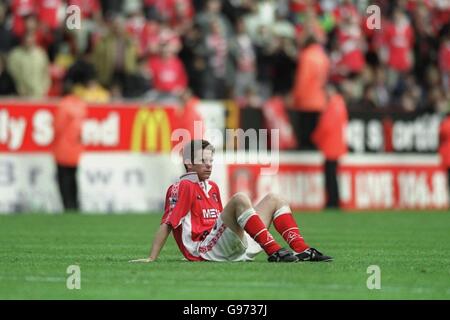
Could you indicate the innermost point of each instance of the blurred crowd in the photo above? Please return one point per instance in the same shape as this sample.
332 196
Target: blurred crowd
247 50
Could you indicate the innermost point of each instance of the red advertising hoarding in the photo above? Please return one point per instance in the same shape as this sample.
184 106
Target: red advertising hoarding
29 128
363 185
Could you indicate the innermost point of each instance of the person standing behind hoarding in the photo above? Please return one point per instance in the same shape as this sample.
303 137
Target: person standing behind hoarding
329 136
444 147
67 147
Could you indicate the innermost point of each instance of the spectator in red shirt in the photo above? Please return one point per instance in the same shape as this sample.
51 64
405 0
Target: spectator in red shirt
168 73
48 13
351 46
151 34
20 9
400 40
50 22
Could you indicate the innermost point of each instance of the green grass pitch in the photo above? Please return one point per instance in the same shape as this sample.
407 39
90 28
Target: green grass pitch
411 248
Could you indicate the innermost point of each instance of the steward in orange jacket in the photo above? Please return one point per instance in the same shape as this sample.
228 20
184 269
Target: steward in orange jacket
67 147
309 95
329 137
311 79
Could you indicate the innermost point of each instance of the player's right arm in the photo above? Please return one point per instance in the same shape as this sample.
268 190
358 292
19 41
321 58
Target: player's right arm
178 204
160 239
158 243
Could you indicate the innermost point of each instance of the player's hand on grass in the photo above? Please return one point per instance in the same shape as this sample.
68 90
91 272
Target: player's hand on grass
146 260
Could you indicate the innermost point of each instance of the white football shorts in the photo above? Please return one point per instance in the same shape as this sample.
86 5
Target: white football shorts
222 244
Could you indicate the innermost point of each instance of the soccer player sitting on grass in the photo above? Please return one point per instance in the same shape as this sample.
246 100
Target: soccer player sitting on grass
204 230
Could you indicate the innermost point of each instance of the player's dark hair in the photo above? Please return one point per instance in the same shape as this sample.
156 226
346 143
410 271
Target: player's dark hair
192 147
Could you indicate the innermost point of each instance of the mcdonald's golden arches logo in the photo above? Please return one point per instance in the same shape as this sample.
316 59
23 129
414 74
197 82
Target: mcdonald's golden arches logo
154 126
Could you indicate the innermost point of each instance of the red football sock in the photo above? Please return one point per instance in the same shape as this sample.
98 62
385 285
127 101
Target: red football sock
257 230
286 225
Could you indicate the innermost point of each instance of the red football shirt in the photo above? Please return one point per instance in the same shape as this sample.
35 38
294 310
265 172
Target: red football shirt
350 45
400 40
19 9
48 13
191 209
169 74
